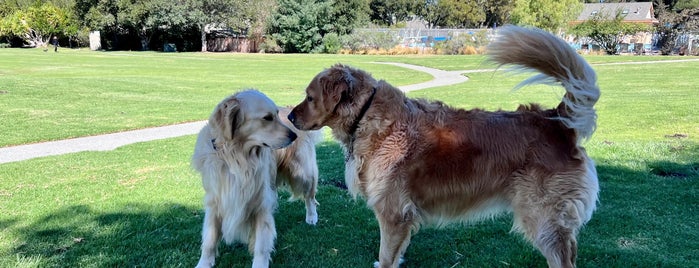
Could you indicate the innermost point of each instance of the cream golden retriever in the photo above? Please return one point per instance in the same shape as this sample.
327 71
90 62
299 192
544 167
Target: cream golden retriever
418 162
236 154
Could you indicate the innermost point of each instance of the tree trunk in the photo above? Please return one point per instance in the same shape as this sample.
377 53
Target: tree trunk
145 39
35 39
144 43
203 39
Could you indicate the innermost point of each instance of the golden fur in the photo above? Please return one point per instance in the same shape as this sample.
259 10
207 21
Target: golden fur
418 162
235 154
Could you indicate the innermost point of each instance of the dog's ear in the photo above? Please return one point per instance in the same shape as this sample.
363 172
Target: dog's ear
227 117
338 86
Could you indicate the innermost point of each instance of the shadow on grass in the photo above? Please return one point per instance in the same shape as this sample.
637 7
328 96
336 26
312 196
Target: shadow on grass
168 235
4 224
138 235
646 218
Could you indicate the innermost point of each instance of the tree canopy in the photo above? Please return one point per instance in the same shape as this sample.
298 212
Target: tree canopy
294 25
551 15
300 25
37 23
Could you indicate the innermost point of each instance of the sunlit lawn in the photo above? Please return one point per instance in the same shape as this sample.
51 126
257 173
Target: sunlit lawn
140 205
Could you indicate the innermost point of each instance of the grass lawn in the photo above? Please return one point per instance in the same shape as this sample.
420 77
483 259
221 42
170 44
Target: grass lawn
73 93
140 205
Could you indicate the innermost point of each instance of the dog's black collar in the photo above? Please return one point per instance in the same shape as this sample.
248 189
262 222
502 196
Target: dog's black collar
213 144
362 112
353 128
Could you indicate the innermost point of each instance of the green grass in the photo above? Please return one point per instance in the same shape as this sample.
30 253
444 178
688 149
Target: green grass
73 93
140 205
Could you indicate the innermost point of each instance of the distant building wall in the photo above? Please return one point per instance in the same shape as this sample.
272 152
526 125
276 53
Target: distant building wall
95 40
233 44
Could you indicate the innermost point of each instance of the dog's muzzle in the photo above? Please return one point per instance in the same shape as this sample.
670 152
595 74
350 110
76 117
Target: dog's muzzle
292 119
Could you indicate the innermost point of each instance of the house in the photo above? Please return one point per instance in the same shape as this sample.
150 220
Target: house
634 12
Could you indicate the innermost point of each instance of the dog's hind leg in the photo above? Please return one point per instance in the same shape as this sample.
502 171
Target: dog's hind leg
551 228
210 236
303 181
395 227
557 243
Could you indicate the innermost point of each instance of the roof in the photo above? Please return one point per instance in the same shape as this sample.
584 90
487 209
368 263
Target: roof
639 12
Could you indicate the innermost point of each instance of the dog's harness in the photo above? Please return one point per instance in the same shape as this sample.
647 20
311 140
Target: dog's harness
353 128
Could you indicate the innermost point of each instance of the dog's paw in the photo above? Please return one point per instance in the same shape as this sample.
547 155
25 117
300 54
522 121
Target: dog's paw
205 263
312 218
311 211
260 262
378 264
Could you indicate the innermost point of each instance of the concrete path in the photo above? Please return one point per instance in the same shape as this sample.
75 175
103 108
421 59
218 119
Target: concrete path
104 142
109 142
441 78
112 141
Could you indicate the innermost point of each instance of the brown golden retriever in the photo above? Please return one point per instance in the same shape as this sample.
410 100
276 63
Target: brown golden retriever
238 156
418 162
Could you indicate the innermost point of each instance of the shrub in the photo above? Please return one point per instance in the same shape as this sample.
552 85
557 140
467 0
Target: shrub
468 44
370 40
331 44
270 46
82 37
396 50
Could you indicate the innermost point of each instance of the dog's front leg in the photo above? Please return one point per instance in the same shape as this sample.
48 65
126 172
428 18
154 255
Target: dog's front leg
395 236
210 236
311 212
262 244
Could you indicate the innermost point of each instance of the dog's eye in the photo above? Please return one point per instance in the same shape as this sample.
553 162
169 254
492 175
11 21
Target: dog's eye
309 98
268 118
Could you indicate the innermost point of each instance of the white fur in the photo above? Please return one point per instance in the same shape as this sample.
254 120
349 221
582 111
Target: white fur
237 156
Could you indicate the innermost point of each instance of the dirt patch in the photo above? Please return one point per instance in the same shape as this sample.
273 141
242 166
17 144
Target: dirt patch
677 136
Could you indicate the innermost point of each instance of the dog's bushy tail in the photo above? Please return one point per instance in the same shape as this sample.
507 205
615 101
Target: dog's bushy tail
557 62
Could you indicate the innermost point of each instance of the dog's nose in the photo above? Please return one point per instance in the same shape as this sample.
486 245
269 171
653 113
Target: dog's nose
292 117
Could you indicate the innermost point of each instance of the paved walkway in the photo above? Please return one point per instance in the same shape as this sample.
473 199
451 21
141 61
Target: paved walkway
109 142
104 142
112 141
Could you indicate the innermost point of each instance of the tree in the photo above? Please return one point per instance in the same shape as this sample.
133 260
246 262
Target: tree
680 18
299 25
434 12
239 16
219 14
550 15
38 23
388 12
259 12
135 14
100 15
349 14
497 12
464 13
443 13
606 32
